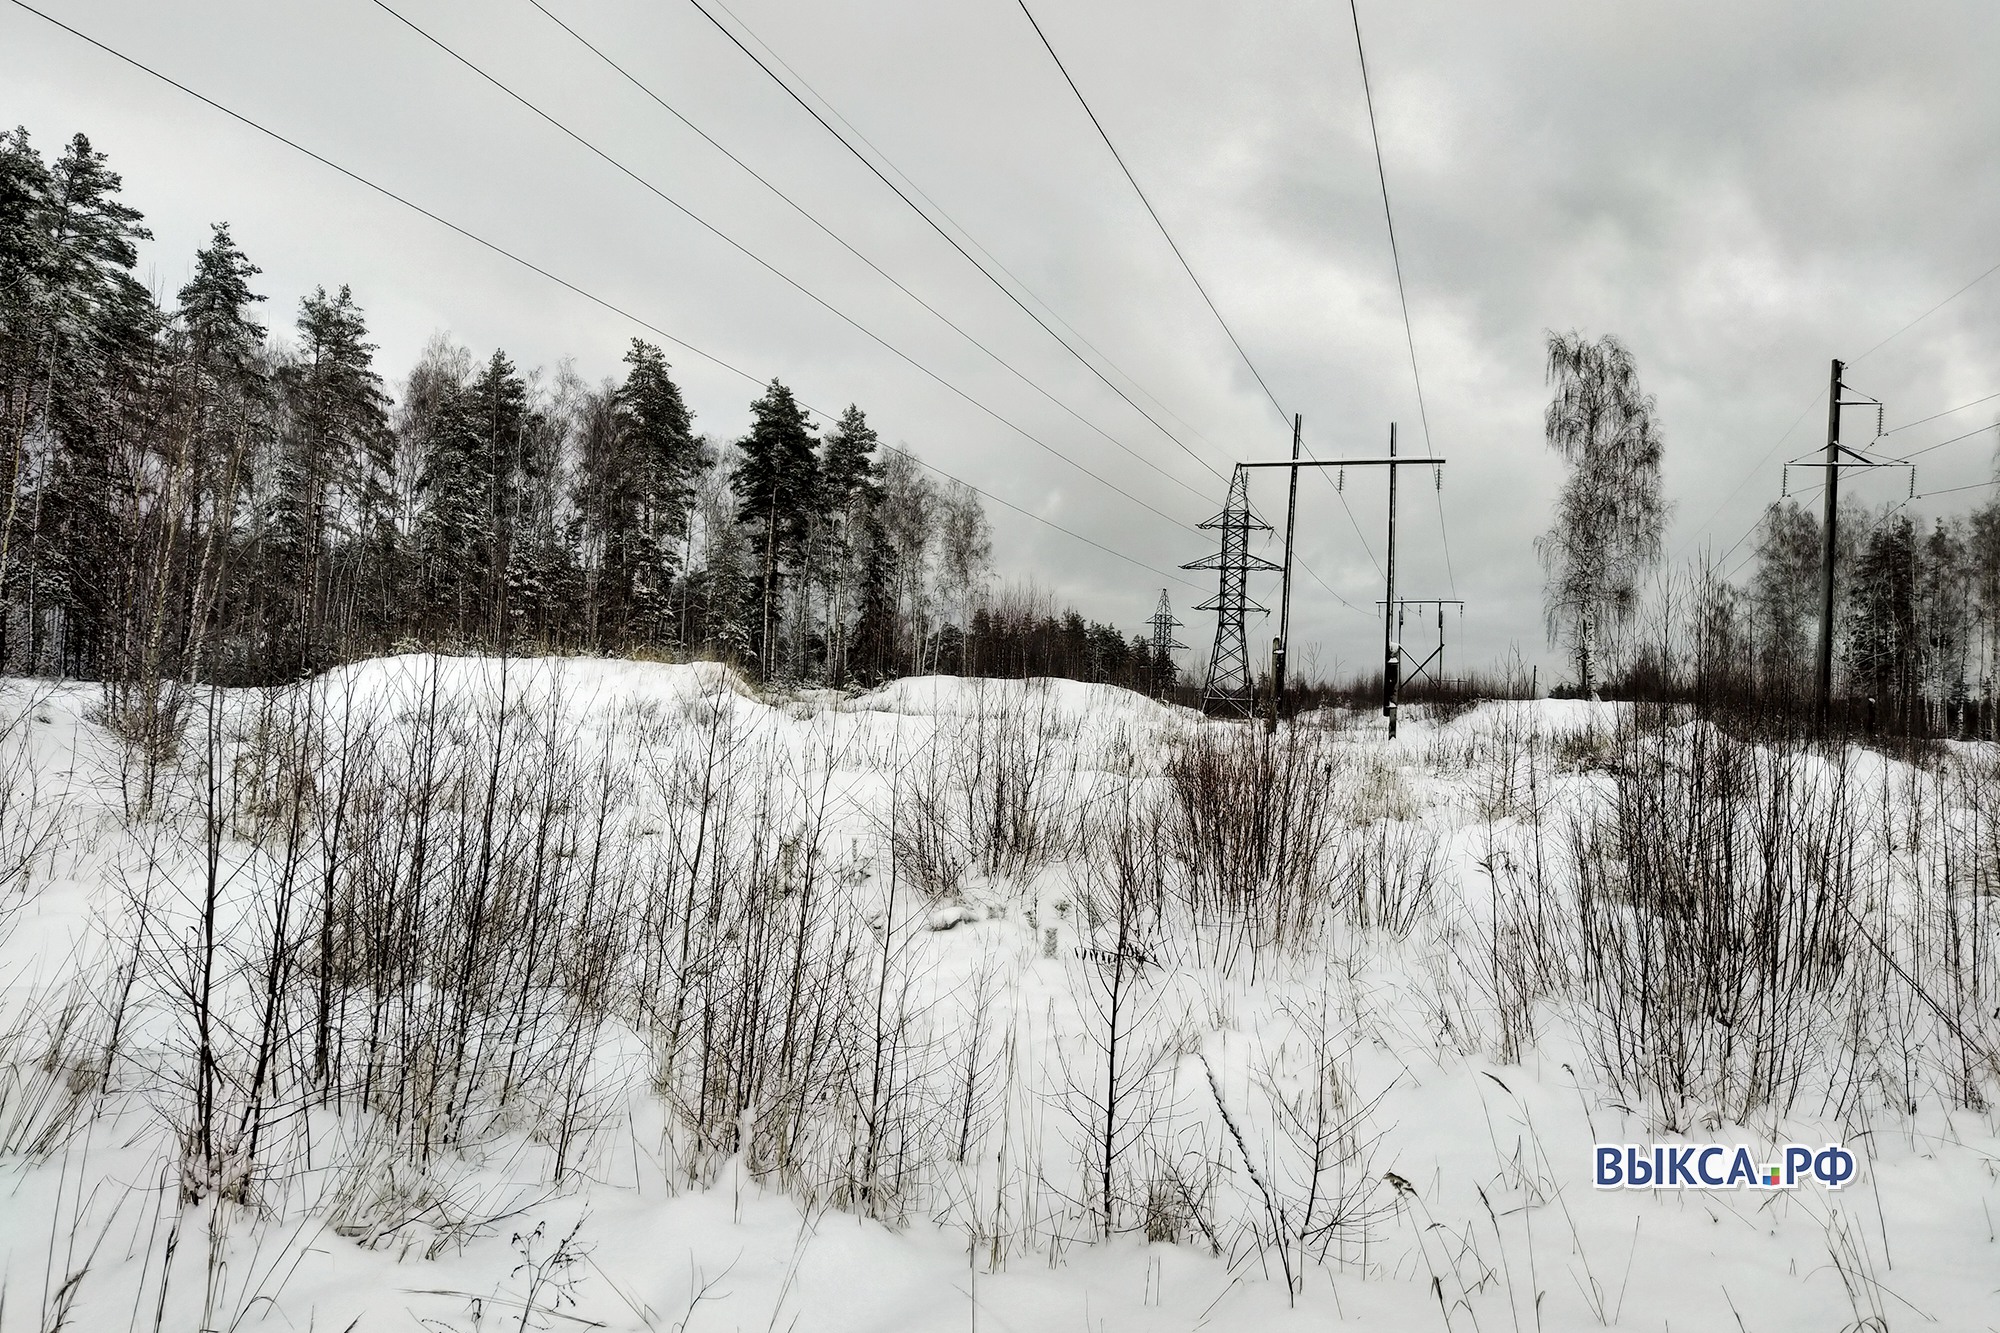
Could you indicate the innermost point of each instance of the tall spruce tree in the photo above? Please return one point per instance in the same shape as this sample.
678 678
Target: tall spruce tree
76 330
776 485
848 492
497 405
223 392
329 478
1881 613
452 500
656 465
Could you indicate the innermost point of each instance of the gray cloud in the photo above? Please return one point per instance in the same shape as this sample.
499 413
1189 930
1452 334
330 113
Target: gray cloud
1739 190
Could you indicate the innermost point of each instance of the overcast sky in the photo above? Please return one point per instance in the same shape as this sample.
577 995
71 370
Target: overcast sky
1739 190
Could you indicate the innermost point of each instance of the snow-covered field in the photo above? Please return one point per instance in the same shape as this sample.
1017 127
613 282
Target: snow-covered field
460 994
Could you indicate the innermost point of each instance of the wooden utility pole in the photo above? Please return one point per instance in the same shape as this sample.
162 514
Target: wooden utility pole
1281 648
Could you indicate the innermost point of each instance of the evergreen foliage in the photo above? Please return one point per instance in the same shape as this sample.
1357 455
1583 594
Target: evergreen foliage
188 500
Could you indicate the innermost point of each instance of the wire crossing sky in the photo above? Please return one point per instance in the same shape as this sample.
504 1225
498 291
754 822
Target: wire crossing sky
1738 193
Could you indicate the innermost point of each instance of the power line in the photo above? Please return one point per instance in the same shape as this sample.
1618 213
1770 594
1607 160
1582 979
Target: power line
1151 212
538 270
1119 158
949 238
1952 490
1916 453
973 241
1760 463
1935 415
765 264
1928 313
1402 294
944 213
841 241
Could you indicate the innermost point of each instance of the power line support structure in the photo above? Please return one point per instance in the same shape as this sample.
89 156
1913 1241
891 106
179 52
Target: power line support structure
1392 648
1392 462
1164 643
1230 689
1434 660
1838 456
1281 646
1823 695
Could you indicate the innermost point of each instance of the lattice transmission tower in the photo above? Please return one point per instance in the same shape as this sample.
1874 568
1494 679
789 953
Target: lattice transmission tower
1164 644
1231 688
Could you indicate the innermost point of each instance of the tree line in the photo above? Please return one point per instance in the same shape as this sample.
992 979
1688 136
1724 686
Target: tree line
191 498
1917 607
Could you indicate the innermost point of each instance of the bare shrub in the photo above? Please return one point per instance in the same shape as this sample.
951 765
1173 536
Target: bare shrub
1249 821
1390 875
995 792
1714 899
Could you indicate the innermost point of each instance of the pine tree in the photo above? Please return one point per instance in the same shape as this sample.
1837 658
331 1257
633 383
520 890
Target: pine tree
75 329
224 397
497 406
1784 592
453 498
1881 615
873 655
1983 561
776 485
656 465
329 479
848 492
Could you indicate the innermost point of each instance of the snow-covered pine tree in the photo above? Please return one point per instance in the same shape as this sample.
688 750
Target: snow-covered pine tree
452 499
655 462
1880 622
498 410
224 400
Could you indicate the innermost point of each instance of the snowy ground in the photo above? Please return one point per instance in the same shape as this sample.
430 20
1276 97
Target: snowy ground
444 995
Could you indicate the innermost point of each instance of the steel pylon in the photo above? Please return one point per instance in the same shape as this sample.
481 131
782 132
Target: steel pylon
1164 643
1231 689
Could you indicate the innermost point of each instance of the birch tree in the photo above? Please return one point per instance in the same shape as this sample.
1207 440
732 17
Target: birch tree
1609 516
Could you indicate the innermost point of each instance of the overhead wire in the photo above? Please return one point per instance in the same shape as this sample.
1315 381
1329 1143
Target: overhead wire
1915 453
944 213
969 238
1821 395
951 240
1952 490
532 267
1894 430
1918 453
1151 212
1927 314
898 191
763 263
1402 293
960 228
1118 157
846 245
